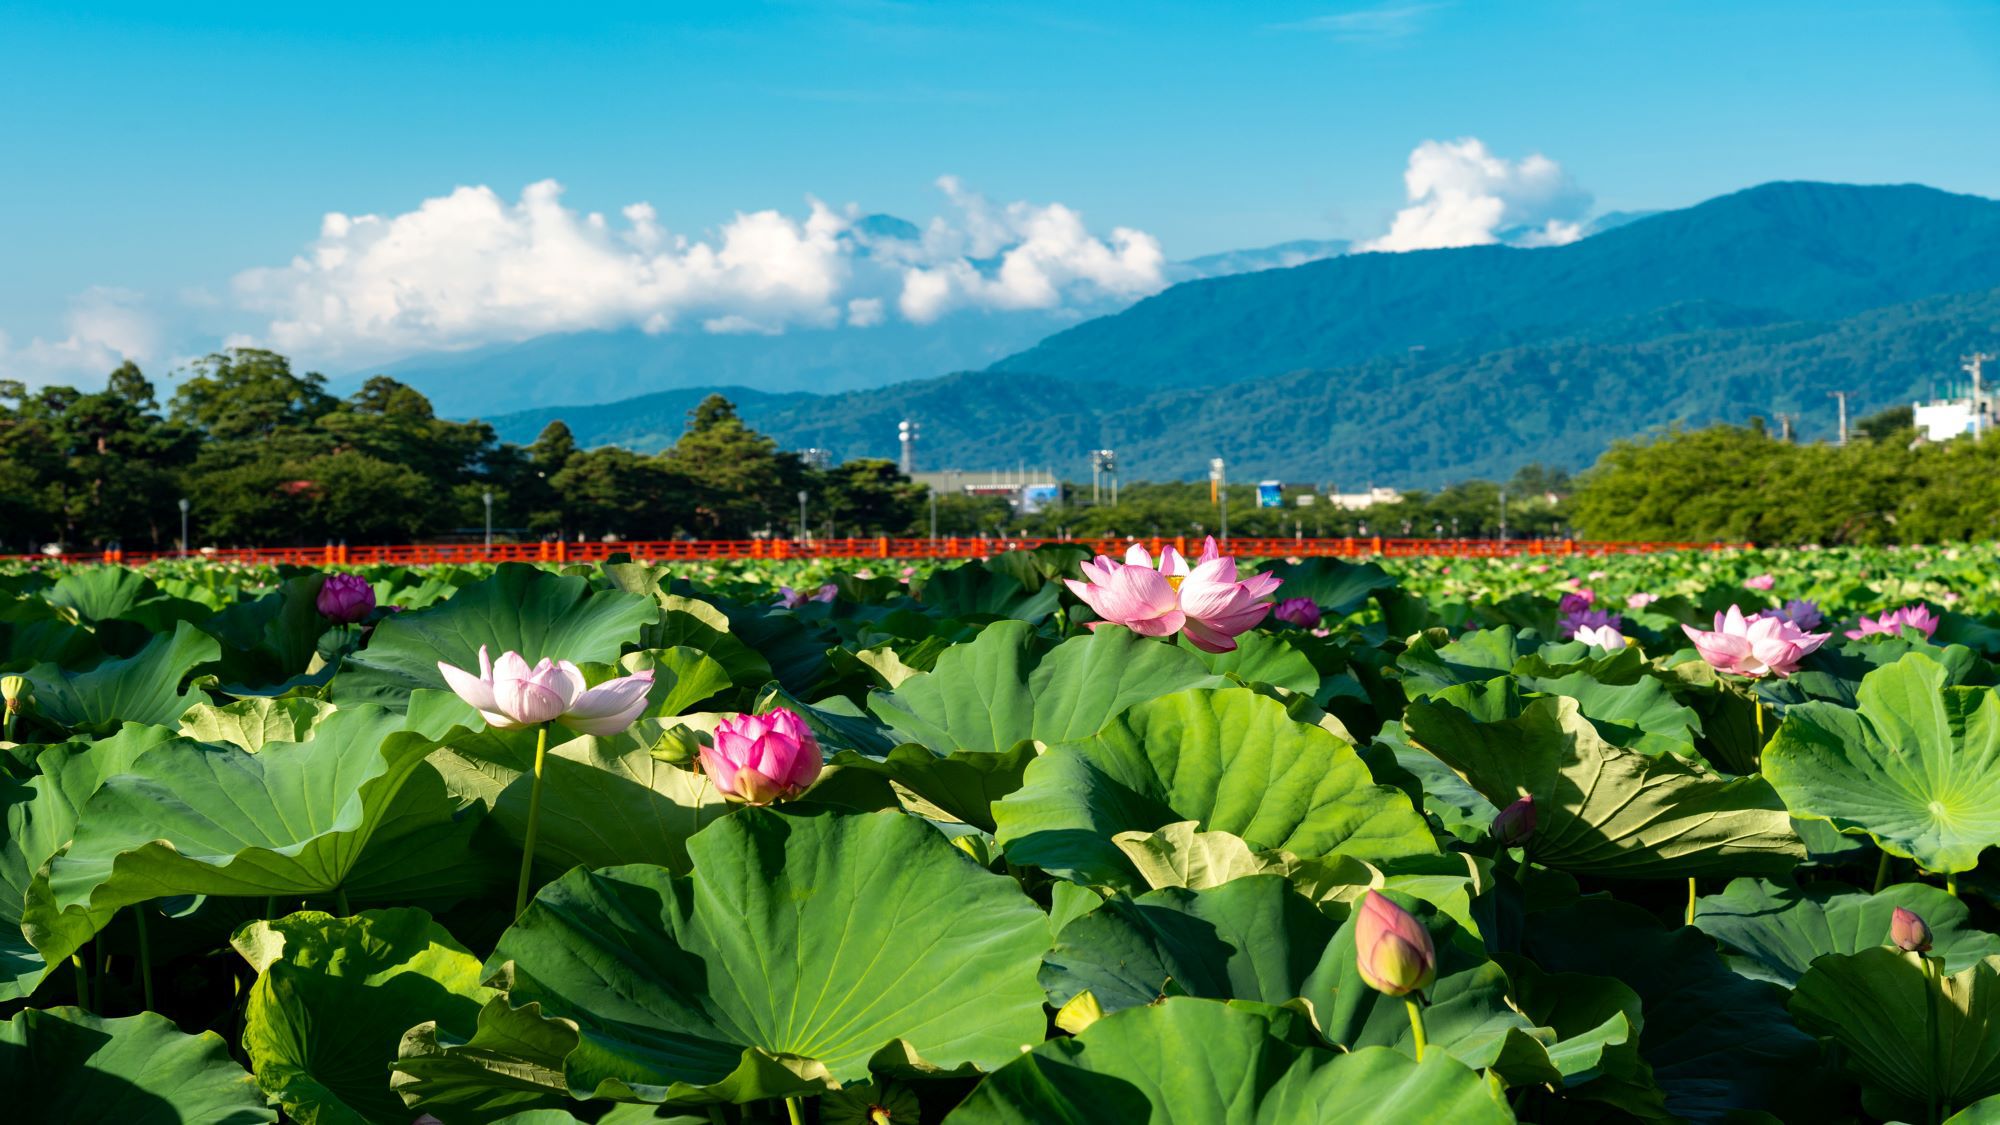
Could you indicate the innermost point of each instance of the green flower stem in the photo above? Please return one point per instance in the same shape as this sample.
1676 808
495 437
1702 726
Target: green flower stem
82 980
1881 873
1416 1024
1951 883
715 1115
1757 710
145 954
1691 894
340 901
534 815
1931 991
794 1111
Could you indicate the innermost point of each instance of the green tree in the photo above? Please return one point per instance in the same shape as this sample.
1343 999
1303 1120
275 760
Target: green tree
874 496
741 481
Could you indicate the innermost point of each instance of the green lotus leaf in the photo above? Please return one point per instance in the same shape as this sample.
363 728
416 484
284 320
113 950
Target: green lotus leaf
1606 810
513 1059
250 723
1882 1006
803 949
1199 1062
1917 767
692 623
145 688
1595 1022
40 816
519 609
1985 1111
268 641
1719 1045
63 1064
292 819
1261 658
1182 855
1333 584
1230 759
333 998
100 593
1777 929
976 590
968 725
605 801
682 677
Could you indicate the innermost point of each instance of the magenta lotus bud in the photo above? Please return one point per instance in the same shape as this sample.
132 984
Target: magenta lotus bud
758 759
1514 824
1909 932
1303 612
1392 949
345 598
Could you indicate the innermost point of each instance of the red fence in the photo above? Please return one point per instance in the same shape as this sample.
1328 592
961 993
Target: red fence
885 548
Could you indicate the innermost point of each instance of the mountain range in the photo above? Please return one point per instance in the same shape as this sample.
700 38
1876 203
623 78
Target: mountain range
1424 367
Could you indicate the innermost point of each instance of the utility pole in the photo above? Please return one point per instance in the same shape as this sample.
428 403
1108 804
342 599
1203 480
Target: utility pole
1842 396
1103 463
488 497
1503 517
1972 368
1218 487
184 526
906 432
1785 428
802 515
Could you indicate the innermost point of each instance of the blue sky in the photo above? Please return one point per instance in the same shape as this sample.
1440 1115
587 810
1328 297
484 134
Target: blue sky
153 153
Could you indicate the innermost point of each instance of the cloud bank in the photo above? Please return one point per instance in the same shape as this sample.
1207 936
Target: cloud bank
1462 195
471 268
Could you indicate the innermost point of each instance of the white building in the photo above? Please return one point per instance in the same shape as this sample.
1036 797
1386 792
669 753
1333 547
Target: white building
1356 501
1945 418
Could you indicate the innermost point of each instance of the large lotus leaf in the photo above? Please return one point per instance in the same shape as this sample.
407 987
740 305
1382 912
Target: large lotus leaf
1332 584
100 593
1657 721
1182 855
803 947
1261 658
1718 1044
975 591
692 623
1917 767
605 801
1231 759
796 652
1199 1062
250 723
1835 674
333 998
66 1065
269 640
1777 929
1882 1006
519 609
40 815
145 688
1251 939
682 677
1606 810
513 1059
34 632
293 819
969 724
1432 663
1596 1022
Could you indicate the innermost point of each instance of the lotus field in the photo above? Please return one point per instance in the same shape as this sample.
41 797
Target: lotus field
1037 838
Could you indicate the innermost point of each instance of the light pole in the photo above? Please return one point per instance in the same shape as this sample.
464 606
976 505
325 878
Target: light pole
1218 479
802 515
1103 463
488 497
1503 517
184 527
906 433
933 492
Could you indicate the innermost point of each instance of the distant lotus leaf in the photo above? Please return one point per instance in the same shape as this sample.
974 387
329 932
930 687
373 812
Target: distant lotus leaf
1777 930
145 688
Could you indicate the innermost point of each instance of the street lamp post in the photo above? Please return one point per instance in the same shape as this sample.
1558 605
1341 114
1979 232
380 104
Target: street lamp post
1218 475
184 526
933 492
802 515
488 497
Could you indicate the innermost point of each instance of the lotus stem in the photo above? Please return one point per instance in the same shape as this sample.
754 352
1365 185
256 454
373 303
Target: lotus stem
340 901
1881 873
1931 1035
1416 1024
1951 883
1691 896
715 1115
794 1111
270 907
534 815
82 980
145 954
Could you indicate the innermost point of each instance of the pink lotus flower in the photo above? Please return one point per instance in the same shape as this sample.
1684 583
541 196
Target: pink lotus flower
789 598
1895 621
1302 612
345 598
1760 582
758 759
1754 647
1602 636
508 693
1208 603
1640 600
1392 950
1576 602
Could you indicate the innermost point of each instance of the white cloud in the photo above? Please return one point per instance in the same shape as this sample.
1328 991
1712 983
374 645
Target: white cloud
1462 195
470 268
1368 25
1023 256
105 327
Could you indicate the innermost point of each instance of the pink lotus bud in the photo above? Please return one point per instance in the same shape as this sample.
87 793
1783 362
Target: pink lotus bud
1760 582
1909 932
758 759
345 598
1392 949
1302 612
1514 824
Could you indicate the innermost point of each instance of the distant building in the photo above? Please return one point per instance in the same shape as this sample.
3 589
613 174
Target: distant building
1028 490
1356 501
1946 418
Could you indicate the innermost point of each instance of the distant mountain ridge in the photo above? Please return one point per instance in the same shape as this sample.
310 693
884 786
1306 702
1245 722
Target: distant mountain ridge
1425 367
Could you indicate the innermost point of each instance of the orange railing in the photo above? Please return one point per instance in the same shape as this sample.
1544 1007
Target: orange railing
882 547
